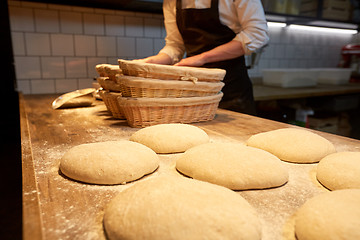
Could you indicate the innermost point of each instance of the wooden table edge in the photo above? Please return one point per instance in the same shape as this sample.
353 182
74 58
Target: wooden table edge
32 222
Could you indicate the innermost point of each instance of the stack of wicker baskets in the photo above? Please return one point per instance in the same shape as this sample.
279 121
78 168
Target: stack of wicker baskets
153 94
110 89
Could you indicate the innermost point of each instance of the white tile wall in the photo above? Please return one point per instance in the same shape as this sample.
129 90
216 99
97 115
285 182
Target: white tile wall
56 47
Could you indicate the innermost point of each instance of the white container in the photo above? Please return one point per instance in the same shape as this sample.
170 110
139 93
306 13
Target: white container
333 76
289 77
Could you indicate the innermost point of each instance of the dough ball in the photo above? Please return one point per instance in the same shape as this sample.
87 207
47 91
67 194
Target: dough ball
293 145
170 138
174 207
233 165
112 162
330 216
339 170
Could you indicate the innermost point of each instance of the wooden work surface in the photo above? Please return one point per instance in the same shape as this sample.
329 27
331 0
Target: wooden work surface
263 93
55 207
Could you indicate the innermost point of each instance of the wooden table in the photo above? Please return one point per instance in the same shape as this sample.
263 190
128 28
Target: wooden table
264 93
55 207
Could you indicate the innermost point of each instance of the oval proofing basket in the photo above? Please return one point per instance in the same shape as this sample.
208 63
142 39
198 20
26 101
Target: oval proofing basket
139 87
169 72
112 104
143 112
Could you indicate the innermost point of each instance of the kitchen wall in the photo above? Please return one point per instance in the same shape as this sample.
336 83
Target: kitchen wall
56 47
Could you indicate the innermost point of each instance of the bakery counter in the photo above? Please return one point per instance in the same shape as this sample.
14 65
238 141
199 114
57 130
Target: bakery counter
265 93
56 207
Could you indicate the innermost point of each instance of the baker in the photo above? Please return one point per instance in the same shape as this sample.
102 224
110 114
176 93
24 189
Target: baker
216 34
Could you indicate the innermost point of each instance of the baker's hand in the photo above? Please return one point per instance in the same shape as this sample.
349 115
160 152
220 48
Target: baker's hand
194 61
160 58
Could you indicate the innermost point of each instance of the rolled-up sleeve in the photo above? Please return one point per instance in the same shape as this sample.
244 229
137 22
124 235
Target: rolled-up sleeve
174 46
253 30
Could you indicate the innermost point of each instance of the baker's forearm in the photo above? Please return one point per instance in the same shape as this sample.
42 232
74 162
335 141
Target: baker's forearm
230 50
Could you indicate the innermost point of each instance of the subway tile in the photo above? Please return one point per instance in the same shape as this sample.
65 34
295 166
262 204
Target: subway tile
83 9
41 86
65 85
37 44
14 3
125 47
134 27
144 47
23 86
62 44
47 21
85 45
104 11
143 14
93 24
27 67
106 46
85 83
59 7
289 51
71 22
91 63
124 13
163 31
152 28
158 44
75 67
18 43
53 67
112 60
21 19
114 25
33 4
279 51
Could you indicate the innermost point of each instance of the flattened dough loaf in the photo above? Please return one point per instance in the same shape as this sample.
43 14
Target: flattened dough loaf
339 170
112 162
170 138
233 165
175 207
293 145
330 216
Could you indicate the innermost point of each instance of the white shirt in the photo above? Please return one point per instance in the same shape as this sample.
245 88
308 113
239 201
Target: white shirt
245 17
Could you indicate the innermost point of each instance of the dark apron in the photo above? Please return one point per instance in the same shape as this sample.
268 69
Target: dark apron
202 31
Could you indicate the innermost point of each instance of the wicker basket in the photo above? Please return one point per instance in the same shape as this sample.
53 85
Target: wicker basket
108 84
100 69
153 88
111 71
168 72
112 104
142 112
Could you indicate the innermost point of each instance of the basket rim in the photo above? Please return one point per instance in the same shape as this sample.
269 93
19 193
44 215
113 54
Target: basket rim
187 101
132 81
184 72
108 84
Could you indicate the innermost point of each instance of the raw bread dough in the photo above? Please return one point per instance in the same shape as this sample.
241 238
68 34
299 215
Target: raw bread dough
330 216
233 165
175 207
112 162
170 138
293 145
339 170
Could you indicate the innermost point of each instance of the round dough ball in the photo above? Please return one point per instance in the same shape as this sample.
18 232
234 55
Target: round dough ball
170 138
330 216
233 165
339 170
112 162
293 145
174 207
